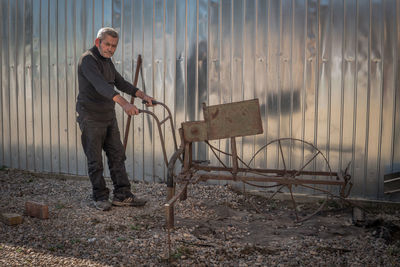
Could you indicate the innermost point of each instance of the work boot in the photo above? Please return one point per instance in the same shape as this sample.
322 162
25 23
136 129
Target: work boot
129 201
102 205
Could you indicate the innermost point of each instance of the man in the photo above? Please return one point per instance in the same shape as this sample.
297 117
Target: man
96 100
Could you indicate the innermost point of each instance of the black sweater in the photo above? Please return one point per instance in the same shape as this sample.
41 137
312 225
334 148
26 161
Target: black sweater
97 77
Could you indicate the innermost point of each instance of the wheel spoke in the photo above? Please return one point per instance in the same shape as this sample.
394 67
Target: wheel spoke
276 192
308 162
283 158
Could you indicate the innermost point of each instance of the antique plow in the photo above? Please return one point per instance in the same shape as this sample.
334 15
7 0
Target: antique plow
243 119
282 166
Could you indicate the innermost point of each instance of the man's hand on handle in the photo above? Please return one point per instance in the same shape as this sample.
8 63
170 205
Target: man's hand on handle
148 100
130 109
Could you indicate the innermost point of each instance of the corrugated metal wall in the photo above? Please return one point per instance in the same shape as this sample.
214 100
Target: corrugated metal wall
324 71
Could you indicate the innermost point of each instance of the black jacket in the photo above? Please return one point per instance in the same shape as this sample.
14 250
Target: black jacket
97 77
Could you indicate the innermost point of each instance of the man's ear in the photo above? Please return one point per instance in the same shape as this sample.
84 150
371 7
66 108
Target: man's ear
97 42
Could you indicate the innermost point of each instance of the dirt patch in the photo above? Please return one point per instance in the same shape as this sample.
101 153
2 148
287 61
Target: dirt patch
214 226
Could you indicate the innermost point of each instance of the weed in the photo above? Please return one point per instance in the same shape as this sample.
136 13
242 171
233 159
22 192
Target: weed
75 241
56 247
60 206
393 250
181 251
136 227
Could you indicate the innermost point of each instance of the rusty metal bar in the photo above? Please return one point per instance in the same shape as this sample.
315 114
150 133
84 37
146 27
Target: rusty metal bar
160 131
262 171
280 180
169 206
234 157
135 81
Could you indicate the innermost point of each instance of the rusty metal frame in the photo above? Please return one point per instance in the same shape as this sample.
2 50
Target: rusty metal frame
249 119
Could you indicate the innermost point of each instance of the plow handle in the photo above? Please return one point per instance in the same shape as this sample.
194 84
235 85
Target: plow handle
135 81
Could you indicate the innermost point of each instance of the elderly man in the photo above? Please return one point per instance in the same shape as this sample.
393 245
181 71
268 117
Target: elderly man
95 106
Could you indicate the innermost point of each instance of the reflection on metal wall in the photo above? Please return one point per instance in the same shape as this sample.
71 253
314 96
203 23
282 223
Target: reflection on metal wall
324 71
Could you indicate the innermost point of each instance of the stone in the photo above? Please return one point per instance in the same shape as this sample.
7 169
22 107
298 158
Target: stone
11 218
37 210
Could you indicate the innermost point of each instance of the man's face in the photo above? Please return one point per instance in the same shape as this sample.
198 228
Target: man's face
107 46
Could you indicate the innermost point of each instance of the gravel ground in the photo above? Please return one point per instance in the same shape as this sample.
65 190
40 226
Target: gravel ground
214 226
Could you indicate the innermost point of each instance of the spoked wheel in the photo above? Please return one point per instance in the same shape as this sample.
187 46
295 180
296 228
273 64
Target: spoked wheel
297 169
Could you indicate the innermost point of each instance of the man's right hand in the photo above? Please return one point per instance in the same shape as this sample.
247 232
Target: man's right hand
130 109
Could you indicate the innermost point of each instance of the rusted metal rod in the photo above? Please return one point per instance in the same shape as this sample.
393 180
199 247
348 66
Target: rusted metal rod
262 171
135 81
280 180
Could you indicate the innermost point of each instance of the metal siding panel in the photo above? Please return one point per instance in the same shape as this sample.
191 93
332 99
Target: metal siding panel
349 83
13 83
323 87
396 143
98 15
260 71
362 87
149 128
249 67
170 71
323 83
374 99
108 13
53 88
388 90
126 46
273 66
158 85
191 56
285 94
336 82
138 121
36 87
89 33
71 71
45 55
225 66
237 59
2 144
20 85
390 84
180 76
6 112
311 69
202 67
62 86
80 47
214 64
298 72
311 79
30 149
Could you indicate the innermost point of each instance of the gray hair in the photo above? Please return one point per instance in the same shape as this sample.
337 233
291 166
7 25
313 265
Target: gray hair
101 34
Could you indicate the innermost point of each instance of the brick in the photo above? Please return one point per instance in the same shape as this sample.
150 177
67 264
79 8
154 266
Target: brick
11 218
38 210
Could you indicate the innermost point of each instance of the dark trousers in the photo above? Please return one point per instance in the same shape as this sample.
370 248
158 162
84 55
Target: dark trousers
98 136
